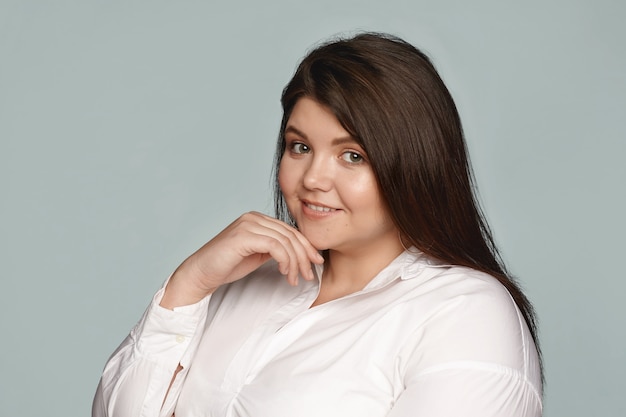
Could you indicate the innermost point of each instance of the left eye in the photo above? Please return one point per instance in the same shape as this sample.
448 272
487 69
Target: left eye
352 157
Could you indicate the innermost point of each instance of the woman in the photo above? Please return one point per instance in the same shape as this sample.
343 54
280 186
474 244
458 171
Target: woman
404 307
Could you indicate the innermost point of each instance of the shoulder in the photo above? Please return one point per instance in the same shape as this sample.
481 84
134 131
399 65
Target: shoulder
447 290
468 318
480 296
471 343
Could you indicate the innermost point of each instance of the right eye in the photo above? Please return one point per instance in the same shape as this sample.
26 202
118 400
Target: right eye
299 148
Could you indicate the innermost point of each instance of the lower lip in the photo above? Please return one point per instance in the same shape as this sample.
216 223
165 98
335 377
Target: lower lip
315 214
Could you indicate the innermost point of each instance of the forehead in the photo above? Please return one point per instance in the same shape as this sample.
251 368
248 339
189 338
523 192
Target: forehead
312 120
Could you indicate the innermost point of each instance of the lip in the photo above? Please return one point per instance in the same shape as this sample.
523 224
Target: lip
317 210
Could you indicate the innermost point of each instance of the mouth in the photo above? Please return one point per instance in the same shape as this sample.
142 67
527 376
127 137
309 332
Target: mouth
318 208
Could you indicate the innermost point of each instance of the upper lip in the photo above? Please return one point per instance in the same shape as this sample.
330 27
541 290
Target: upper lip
318 204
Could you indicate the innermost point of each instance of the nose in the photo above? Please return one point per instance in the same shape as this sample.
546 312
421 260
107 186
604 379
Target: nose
318 174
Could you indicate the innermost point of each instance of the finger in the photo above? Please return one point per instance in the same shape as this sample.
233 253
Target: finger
312 253
276 239
305 252
297 262
278 247
297 243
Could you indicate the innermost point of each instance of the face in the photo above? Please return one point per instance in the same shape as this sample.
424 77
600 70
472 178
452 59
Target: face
329 185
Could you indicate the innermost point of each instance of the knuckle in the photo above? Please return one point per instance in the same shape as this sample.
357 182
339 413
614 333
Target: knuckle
246 217
275 244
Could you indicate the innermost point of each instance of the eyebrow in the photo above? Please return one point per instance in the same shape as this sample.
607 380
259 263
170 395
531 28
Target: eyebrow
337 141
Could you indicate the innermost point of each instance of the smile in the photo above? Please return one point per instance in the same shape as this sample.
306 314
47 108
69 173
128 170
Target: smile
319 208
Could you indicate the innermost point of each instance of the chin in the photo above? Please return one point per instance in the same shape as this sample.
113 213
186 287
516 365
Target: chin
319 243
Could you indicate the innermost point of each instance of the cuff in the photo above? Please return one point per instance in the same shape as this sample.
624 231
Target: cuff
164 333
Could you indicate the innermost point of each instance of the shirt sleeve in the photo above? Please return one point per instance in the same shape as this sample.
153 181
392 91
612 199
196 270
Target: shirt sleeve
469 390
137 376
472 356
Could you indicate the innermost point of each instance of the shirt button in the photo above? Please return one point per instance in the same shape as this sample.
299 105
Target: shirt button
180 338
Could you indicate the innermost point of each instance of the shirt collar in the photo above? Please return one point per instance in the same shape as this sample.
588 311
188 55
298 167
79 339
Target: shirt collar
410 264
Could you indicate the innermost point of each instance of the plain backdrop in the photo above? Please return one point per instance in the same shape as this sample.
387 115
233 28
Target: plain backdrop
133 131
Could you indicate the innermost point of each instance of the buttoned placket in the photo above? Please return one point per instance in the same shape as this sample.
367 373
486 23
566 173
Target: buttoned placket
244 365
285 326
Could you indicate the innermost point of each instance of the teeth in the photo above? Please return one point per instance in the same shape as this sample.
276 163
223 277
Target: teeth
319 208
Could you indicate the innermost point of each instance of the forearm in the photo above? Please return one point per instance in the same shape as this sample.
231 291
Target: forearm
143 370
184 288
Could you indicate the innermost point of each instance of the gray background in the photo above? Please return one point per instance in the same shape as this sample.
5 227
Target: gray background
132 131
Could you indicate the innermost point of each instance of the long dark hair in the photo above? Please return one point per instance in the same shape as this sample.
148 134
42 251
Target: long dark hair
389 97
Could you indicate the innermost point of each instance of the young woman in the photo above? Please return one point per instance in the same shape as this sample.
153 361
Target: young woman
399 304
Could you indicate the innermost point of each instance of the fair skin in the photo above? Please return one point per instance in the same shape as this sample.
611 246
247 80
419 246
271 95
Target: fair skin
331 192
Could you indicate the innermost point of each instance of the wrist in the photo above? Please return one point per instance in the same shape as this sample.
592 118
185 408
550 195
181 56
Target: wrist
182 289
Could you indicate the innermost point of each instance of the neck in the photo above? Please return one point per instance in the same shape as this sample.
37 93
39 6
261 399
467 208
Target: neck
349 272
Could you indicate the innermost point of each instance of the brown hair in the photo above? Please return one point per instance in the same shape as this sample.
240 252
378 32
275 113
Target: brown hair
388 95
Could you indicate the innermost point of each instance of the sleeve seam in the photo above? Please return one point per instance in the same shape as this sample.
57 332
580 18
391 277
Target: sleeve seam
482 367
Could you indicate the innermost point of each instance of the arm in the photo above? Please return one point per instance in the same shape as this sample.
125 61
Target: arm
469 390
140 372
472 356
145 374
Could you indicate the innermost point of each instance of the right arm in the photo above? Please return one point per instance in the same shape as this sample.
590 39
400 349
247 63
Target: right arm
145 374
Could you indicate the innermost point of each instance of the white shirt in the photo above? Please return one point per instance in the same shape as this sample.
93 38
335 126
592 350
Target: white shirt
421 339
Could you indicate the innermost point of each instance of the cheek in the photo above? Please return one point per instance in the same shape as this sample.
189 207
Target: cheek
360 189
285 181
366 197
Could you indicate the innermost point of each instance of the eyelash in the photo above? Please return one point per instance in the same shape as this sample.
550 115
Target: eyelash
346 156
294 146
299 148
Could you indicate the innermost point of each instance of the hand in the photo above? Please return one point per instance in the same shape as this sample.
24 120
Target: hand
242 247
